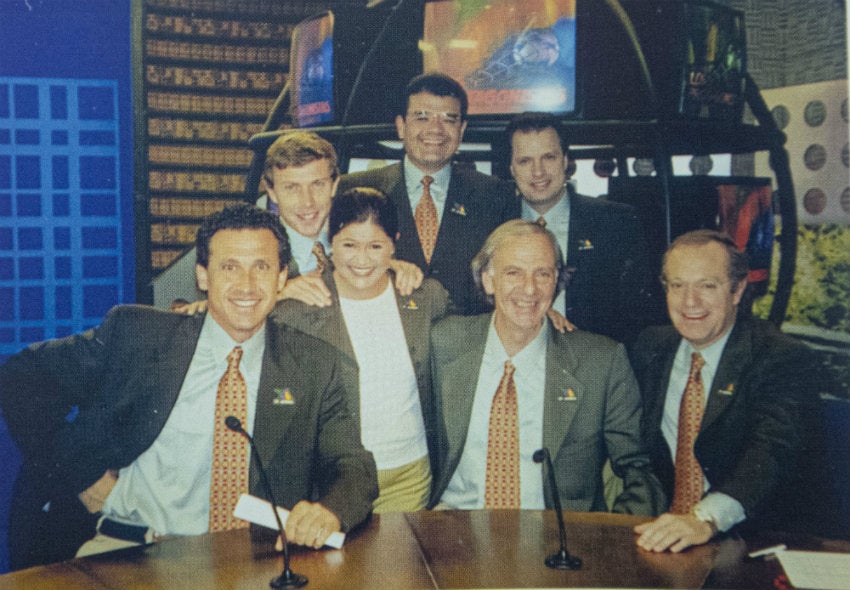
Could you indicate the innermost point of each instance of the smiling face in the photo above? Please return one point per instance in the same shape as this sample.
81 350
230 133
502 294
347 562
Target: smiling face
538 166
431 130
303 194
242 279
362 252
700 299
521 277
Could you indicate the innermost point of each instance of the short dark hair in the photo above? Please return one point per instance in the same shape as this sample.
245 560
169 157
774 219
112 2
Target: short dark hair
535 121
739 266
241 216
438 84
299 148
359 205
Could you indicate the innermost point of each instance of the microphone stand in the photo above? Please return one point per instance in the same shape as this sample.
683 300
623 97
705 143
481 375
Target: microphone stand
561 560
287 578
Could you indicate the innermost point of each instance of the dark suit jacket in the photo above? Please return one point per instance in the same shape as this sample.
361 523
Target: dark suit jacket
601 420
750 430
609 288
417 311
476 204
95 401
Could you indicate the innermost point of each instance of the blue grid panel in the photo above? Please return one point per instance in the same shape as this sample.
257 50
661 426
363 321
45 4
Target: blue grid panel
61 259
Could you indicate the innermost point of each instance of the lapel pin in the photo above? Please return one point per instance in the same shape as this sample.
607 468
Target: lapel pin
728 390
283 397
585 245
411 304
568 396
459 209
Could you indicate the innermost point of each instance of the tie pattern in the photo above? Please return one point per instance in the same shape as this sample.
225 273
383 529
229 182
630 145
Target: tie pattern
502 480
229 477
425 217
322 261
689 486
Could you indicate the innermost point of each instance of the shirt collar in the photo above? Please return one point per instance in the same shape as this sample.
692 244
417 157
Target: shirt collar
413 179
560 211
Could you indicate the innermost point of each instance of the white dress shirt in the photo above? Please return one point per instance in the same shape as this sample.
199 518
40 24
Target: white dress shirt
724 510
466 487
167 487
439 188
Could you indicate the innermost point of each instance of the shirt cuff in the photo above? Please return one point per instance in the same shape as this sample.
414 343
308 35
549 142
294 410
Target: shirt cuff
724 511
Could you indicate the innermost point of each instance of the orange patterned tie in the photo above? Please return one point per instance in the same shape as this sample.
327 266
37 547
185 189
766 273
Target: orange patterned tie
322 261
426 220
229 477
502 480
689 484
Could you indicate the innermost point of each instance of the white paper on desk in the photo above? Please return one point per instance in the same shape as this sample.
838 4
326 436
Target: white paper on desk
816 569
259 512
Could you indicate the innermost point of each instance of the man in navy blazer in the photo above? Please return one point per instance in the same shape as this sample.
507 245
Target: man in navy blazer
116 424
607 269
756 384
430 122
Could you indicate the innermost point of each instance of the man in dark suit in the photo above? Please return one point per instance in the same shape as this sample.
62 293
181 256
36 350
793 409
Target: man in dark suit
573 393
607 270
460 206
748 382
120 426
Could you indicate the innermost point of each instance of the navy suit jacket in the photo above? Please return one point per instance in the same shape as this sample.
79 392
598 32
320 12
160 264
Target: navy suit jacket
95 401
476 204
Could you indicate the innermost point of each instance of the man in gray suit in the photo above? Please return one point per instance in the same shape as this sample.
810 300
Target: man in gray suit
118 425
573 393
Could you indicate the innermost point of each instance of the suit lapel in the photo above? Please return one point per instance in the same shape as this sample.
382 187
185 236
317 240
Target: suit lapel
563 391
462 375
737 355
454 214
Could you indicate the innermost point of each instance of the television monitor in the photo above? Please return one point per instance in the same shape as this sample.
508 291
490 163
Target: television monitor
509 56
311 70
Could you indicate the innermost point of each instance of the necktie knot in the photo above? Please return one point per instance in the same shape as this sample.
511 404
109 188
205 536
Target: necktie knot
234 357
322 260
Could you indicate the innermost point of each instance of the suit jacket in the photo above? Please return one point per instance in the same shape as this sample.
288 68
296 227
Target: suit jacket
750 430
96 401
602 421
417 311
609 282
476 204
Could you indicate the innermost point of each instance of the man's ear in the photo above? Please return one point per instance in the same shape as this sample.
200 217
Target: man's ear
487 281
202 277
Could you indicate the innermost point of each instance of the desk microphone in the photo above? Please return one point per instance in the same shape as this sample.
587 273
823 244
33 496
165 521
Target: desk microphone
288 578
561 560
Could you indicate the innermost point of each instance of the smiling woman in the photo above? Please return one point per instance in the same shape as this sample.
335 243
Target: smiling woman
386 336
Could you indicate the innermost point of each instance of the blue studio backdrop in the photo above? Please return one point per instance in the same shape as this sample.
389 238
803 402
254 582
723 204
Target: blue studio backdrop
66 178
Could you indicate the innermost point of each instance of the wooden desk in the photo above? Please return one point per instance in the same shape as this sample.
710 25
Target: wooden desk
451 549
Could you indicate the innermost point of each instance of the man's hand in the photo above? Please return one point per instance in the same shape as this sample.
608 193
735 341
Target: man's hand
674 532
561 323
309 524
309 288
193 308
95 495
408 276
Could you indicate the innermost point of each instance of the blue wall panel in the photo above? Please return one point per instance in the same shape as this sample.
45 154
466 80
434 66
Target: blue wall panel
66 201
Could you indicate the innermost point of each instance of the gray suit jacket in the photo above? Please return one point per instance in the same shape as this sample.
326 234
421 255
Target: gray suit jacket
425 305
476 204
600 421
